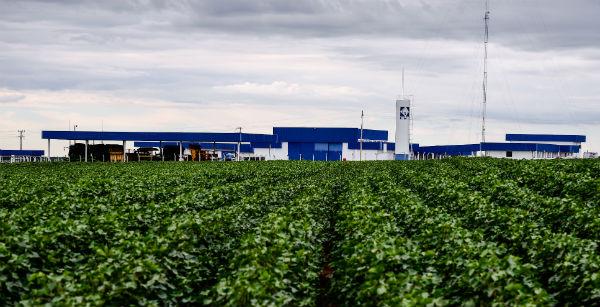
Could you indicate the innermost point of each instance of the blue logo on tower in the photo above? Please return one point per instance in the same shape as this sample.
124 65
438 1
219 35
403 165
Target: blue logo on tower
404 112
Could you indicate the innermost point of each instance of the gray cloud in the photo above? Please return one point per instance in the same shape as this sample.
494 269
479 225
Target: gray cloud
528 24
344 55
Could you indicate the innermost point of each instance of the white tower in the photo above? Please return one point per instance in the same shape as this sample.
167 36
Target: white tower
402 151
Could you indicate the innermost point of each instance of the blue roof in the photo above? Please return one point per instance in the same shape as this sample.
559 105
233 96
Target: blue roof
245 148
8 152
157 136
462 150
546 138
392 147
521 147
326 135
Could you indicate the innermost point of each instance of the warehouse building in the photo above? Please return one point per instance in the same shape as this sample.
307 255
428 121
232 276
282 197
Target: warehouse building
20 155
517 146
286 143
306 143
301 143
326 144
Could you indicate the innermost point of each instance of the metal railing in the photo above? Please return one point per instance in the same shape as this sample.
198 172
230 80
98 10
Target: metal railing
27 159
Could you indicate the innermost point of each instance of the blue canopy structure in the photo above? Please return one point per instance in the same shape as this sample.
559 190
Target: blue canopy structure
226 137
513 137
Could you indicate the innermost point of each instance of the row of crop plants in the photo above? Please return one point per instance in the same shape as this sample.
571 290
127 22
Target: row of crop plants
567 266
459 231
578 180
279 264
565 214
398 251
115 241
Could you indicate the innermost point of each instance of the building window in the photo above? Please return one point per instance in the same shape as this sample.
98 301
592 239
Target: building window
335 146
509 154
321 146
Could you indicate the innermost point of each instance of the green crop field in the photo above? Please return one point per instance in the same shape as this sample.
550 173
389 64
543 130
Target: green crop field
449 232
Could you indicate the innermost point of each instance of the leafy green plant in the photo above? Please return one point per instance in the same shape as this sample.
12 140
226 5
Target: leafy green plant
450 232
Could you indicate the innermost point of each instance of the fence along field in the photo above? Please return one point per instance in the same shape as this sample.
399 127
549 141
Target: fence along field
451 232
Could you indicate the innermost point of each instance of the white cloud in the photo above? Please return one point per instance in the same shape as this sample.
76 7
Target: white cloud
285 89
8 96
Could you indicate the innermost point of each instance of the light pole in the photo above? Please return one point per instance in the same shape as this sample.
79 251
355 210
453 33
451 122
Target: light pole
75 129
21 136
362 116
239 144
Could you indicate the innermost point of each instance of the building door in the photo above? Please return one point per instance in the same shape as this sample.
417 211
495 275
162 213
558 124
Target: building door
334 152
301 151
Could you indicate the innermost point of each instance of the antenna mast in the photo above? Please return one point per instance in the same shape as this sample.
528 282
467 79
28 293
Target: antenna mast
485 71
403 83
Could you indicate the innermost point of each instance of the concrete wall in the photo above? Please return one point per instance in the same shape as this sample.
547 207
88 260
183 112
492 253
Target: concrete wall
348 154
273 153
518 155
368 155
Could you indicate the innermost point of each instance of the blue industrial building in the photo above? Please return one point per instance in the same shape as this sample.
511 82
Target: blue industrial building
330 144
16 155
17 152
300 143
518 146
286 143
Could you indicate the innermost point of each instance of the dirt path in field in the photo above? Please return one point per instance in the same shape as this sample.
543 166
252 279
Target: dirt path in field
326 297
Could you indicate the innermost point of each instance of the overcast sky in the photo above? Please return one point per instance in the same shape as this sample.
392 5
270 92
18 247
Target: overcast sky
215 65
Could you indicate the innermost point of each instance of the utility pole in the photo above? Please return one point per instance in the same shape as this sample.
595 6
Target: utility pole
74 129
485 74
362 117
21 136
239 144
